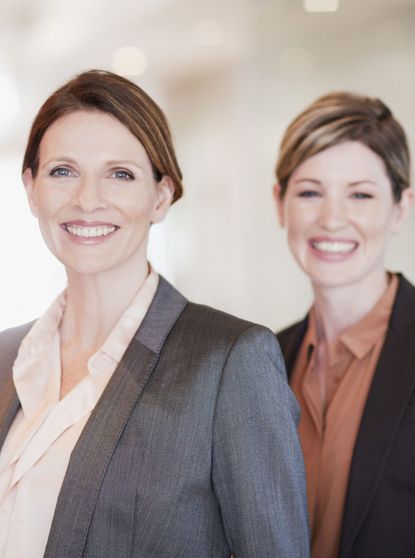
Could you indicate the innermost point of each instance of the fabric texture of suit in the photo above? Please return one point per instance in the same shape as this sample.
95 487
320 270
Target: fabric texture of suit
192 449
379 513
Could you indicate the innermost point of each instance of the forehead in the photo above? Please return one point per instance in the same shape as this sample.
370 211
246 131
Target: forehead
350 160
89 133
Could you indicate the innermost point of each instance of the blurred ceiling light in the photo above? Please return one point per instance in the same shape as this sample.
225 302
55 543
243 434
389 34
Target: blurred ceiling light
129 61
207 32
321 5
9 106
296 62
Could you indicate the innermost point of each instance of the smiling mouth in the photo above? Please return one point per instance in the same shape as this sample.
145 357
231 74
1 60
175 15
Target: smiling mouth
90 231
334 246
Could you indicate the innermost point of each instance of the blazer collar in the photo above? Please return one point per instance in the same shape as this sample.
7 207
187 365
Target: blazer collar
92 453
166 307
391 389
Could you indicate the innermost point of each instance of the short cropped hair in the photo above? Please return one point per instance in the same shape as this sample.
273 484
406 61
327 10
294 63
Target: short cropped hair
98 90
339 117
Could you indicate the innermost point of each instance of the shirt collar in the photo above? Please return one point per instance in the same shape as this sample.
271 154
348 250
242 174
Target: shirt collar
36 370
361 337
119 338
43 330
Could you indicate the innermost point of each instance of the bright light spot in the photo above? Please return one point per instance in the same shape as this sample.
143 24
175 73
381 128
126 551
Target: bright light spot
129 61
296 62
9 106
321 5
207 32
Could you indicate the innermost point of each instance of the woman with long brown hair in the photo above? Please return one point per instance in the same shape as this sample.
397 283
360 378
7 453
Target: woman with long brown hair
134 423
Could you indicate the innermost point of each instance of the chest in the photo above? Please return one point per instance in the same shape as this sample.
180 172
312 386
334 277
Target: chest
74 368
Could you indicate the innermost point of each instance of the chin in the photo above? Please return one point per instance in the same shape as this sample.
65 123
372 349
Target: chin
330 282
85 266
332 278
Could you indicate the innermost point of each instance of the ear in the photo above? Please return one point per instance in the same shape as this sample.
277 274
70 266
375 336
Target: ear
28 182
402 209
277 192
165 193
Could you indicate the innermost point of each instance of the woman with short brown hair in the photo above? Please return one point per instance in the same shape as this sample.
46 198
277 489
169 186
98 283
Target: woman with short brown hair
342 191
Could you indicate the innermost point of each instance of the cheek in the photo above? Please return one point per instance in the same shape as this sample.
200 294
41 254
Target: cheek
376 225
49 201
135 204
297 237
297 221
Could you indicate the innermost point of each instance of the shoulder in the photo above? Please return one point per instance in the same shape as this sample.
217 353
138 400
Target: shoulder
406 290
213 323
218 339
12 337
403 311
290 340
10 340
292 335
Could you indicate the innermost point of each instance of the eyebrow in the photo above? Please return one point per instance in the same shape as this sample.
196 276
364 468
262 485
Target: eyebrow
58 160
364 181
123 162
312 180
350 184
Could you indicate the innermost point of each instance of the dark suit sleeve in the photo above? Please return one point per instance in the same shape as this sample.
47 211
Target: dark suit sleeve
258 471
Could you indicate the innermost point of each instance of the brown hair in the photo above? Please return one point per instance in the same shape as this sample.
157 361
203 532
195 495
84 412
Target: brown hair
339 117
115 95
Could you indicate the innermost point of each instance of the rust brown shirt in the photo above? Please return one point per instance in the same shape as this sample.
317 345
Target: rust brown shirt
332 402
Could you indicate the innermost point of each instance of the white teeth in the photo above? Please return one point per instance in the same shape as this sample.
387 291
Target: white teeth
90 232
334 246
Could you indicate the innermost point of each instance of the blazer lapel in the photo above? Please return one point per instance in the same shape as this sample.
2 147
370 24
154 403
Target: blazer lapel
93 451
391 390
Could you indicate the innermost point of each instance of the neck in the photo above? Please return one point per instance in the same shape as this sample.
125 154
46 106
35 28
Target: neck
94 304
338 308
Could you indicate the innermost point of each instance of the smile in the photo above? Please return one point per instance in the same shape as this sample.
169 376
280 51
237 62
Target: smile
89 231
334 246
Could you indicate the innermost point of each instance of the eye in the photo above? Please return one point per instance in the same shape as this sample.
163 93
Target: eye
308 194
361 196
122 174
60 171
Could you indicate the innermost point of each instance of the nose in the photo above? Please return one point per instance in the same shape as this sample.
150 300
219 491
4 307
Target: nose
88 195
333 214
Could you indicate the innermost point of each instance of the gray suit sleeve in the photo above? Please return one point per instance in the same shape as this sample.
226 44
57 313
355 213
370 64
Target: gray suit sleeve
257 470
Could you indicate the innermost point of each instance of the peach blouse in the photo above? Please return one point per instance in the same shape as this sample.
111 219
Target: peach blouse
36 452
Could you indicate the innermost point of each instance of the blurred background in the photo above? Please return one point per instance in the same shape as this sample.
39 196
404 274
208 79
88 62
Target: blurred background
230 75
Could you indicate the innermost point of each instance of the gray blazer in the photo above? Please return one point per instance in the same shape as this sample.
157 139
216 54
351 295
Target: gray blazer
192 449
